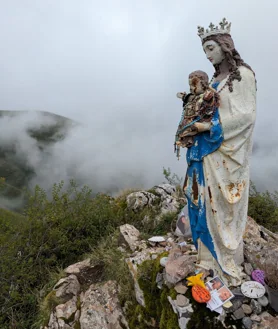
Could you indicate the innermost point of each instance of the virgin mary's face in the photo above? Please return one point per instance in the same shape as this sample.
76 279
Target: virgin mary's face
214 52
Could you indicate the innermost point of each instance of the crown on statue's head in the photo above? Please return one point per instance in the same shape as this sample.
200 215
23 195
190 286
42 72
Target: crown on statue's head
224 28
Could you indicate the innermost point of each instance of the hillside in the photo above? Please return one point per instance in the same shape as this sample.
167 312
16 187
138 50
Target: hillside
44 128
122 274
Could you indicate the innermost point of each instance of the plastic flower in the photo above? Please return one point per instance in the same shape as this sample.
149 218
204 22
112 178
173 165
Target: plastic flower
196 280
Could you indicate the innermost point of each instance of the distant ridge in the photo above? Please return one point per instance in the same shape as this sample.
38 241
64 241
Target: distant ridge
15 171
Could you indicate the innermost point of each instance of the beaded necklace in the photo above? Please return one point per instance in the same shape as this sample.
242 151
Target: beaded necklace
232 75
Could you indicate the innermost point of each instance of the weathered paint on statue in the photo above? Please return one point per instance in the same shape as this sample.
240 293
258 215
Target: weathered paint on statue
217 179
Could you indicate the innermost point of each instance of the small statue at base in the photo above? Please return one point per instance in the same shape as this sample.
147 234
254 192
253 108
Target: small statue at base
198 106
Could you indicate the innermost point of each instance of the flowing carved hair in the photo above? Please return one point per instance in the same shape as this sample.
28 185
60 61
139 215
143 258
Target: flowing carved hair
232 56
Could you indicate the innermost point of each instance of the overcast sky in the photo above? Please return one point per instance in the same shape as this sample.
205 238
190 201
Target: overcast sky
116 67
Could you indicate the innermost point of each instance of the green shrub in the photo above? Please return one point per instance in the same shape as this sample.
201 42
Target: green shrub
263 208
55 232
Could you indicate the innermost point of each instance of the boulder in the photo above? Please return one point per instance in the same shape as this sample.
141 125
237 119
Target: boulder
260 245
169 205
129 236
101 308
165 190
178 266
86 272
139 200
65 311
67 288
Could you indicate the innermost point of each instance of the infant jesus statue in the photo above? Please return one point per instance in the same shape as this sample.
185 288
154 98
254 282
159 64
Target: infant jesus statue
199 107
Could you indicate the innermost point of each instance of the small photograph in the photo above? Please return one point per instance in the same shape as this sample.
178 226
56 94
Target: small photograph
216 283
224 294
208 287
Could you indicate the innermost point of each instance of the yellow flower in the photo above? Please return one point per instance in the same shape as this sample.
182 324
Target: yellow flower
196 280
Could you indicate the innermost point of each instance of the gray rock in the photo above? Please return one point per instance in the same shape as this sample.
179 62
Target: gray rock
180 288
182 300
255 318
178 266
236 305
129 236
65 311
67 287
239 314
139 200
248 268
263 301
169 205
159 280
246 309
256 306
247 322
257 250
86 272
101 308
237 293
159 277
165 190
77 268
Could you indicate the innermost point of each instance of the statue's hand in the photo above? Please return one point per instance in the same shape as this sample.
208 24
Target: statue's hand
202 126
181 95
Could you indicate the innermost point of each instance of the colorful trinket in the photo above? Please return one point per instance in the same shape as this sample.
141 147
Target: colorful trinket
199 291
252 289
259 276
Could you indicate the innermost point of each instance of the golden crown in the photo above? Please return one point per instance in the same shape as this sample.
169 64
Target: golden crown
223 28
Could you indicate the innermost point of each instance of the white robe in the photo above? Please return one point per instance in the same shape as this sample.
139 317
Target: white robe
227 178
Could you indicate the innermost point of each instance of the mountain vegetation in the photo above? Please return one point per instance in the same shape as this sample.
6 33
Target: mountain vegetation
48 233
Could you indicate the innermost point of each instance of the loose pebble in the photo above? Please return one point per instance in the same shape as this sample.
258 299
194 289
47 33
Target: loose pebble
182 300
255 318
256 306
248 268
247 322
246 309
239 314
263 301
180 288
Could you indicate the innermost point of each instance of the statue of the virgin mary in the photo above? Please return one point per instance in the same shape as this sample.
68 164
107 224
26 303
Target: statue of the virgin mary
217 178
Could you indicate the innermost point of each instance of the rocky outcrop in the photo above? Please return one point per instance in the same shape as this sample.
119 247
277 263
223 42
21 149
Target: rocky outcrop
139 200
260 245
163 196
129 237
168 196
86 272
172 259
98 307
67 288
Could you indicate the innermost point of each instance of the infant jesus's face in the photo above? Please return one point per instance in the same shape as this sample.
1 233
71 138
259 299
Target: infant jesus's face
198 85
